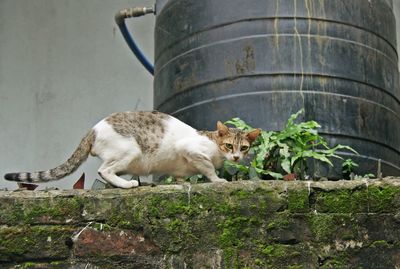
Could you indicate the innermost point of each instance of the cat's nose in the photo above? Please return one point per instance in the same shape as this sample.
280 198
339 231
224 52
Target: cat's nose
235 158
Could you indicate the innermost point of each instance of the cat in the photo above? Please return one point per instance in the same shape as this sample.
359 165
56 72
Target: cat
143 143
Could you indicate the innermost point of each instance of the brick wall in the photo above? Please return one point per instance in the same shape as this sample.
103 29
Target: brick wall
248 224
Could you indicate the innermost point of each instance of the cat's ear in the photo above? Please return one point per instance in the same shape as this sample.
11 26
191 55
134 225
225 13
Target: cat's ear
252 135
222 129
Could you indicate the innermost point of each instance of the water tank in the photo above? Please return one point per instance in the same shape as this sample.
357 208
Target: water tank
263 60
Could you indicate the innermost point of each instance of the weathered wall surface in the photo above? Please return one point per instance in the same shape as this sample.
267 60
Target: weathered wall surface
64 66
248 224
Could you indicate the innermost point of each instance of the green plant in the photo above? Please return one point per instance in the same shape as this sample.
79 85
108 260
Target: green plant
348 171
348 166
285 152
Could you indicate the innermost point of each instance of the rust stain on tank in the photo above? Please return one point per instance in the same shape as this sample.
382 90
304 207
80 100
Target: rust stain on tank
185 77
248 62
182 83
364 111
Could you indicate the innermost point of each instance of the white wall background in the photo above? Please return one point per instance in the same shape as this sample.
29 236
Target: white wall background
64 66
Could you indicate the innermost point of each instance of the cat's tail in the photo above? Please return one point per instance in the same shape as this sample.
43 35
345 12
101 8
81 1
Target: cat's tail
78 157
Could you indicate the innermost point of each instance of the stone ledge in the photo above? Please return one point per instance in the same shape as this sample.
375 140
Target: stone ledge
252 224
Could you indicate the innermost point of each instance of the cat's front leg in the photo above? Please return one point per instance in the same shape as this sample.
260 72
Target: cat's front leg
108 171
204 166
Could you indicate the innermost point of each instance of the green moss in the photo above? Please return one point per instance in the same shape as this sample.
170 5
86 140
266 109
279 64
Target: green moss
26 265
343 201
11 211
327 227
22 242
335 264
281 255
276 250
258 262
108 211
56 210
54 265
372 199
298 201
237 230
181 232
171 218
251 228
163 206
42 210
322 226
348 236
133 212
335 202
279 221
125 218
380 244
231 257
295 267
57 263
232 230
16 241
382 199
359 201
244 213
241 194
101 226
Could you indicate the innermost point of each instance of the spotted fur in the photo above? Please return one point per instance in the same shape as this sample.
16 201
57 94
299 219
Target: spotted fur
146 128
143 143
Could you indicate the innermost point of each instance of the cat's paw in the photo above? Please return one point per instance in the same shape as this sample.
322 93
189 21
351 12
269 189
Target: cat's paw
219 180
131 184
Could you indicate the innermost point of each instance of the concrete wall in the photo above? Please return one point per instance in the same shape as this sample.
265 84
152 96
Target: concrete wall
244 224
63 66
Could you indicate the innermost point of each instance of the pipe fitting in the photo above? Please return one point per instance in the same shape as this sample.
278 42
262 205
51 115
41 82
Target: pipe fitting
132 12
120 17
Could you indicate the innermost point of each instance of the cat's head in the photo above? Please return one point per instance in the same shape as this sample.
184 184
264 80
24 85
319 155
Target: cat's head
234 143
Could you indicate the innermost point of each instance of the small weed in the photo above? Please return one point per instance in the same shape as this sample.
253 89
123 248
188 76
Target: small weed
348 167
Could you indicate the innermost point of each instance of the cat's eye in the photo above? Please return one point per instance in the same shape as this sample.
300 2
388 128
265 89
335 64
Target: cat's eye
229 146
244 148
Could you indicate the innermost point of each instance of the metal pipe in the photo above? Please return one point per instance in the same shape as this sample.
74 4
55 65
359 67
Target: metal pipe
120 20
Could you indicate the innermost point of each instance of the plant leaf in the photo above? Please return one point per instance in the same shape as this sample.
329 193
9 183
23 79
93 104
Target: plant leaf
285 164
239 123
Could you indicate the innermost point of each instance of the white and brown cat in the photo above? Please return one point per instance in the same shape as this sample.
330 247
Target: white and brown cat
143 143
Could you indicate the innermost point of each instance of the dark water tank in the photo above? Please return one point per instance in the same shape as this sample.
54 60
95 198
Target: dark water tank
263 60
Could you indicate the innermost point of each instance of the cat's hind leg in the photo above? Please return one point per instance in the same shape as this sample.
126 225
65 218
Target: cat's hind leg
109 170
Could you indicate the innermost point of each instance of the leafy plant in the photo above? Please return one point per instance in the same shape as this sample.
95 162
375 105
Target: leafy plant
276 154
348 167
348 171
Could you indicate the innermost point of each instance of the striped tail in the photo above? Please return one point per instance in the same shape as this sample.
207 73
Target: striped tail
78 157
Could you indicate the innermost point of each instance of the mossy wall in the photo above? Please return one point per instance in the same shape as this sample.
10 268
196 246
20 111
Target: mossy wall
247 224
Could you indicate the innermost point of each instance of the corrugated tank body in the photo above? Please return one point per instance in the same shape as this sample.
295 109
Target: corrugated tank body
263 60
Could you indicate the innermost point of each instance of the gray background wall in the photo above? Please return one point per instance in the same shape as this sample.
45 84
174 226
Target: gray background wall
63 67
